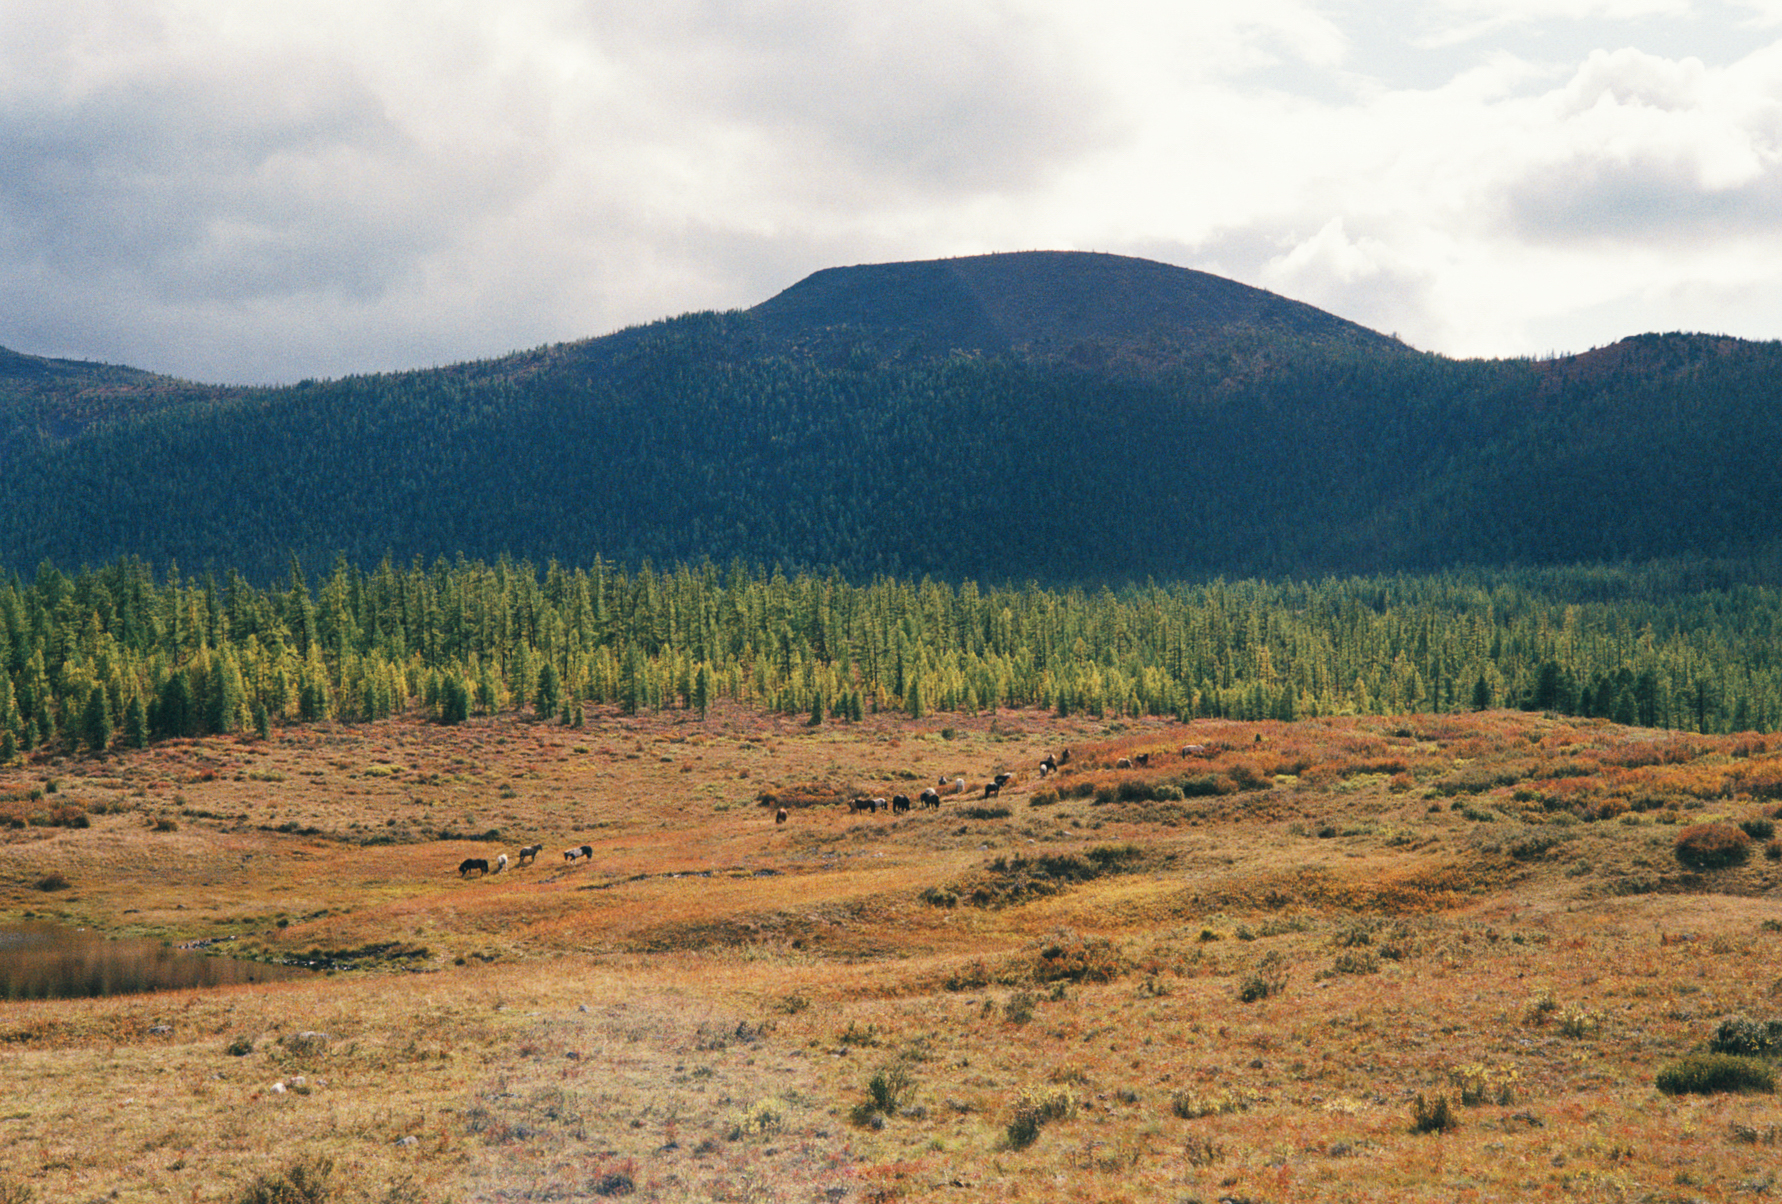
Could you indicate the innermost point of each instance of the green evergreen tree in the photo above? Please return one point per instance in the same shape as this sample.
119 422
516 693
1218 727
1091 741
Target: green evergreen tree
702 690
136 725
227 701
454 699
816 719
176 712
262 721
95 722
550 691
633 690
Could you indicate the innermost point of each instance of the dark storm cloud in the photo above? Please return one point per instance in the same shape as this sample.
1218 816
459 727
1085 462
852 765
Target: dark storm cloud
226 187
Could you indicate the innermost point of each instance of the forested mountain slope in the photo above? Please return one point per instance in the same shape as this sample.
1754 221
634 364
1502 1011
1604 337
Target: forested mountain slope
1058 417
49 401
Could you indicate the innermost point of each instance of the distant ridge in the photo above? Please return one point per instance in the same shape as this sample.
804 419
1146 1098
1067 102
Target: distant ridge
1045 305
1054 416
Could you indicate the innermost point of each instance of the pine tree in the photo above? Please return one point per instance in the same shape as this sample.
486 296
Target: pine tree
95 721
176 714
550 691
702 690
454 699
136 725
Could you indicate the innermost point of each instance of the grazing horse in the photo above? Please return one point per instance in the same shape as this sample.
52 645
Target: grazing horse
571 854
1142 759
1064 757
860 803
779 817
479 864
1193 750
501 863
900 803
529 854
958 785
1123 763
1003 779
1049 765
992 788
931 798
880 804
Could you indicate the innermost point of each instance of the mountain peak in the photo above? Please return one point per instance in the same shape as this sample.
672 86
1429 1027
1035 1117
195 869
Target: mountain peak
1053 305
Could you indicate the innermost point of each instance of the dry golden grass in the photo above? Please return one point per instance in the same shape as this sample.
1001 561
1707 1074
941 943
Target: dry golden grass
1415 907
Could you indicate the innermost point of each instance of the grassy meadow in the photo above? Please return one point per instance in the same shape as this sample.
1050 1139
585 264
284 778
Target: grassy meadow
1439 957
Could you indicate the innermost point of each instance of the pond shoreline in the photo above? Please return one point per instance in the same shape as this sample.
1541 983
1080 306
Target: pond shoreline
50 959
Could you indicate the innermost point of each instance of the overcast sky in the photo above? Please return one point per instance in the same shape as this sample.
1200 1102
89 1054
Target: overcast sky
239 192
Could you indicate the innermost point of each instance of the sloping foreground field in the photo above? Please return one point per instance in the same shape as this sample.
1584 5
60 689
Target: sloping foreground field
1245 973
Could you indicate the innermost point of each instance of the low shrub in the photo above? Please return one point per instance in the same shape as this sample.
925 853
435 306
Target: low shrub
1246 776
1535 846
52 881
1760 828
763 1117
305 1181
1078 959
1433 1116
1711 1074
1482 1083
1581 1022
1191 1105
1034 1109
1747 1037
891 1087
1269 978
1357 961
618 1179
1712 846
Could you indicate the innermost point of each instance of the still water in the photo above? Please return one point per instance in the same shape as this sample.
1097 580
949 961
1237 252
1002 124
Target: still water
54 961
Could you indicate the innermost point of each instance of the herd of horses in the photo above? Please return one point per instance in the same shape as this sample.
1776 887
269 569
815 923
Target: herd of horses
899 804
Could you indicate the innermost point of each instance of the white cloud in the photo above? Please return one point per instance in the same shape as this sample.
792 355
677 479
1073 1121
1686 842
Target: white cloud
236 192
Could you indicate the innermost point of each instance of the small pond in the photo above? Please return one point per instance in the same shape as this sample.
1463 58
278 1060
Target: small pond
43 960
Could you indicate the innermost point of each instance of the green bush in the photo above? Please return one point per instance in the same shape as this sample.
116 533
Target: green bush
1709 1074
891 1087
303 1182
1269 978
1434 1116
1034 1109
1748 1038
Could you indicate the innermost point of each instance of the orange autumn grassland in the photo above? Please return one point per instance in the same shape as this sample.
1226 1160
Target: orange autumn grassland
1246 973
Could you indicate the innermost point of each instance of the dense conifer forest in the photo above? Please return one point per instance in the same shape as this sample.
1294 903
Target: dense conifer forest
1045 427
971 477
116 656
